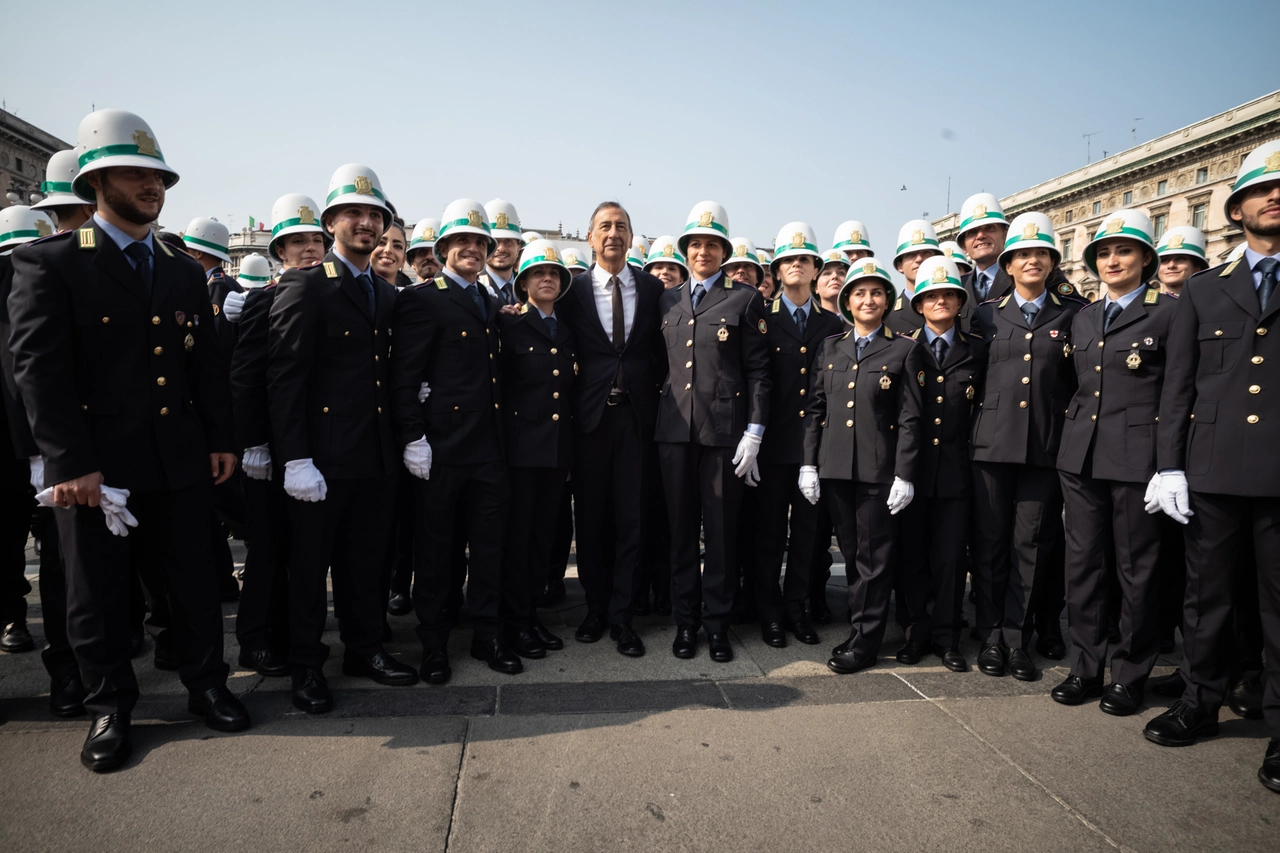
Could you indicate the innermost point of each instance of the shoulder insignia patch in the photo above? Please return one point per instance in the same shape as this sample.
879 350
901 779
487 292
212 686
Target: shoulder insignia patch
1152 297
524 309
1054 297
331 269
216 309
728 283
920 378
897 306
777 306
1066 289
1231 267
441 284
1005 301
817 309
88 240
763 326
164 247
888 333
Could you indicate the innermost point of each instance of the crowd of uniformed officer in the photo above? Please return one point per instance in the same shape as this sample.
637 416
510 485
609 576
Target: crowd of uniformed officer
704 409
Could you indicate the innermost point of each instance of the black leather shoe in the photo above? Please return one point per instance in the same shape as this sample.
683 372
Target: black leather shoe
221 710
1170 685
1246 699
1075 690
773 634
1120 701
1051 647
719 647
496 654
435 666
685 644
591 629
66 696
552 594
819 612
910 654
951 658
846 662
1181 725
311 691
803 630
526 644
399 605
991 660
107 746
662 605
166 654
381 668
629 642
16 638
1021 667
264 662
1269 772
549 641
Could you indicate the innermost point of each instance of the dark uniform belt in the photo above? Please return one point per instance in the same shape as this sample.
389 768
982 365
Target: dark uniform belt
616 397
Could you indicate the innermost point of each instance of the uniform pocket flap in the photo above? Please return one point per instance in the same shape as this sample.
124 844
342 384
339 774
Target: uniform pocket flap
1205 411
1213 331
991 400
726 389
1141 415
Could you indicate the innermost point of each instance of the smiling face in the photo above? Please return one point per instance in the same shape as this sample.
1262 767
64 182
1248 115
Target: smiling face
867 303
503 259
465 254
356 228
610 237
706 254
301 249
744 274
911 261
1120 261
1030 267
767 285
1176 269
984 243
133 193
939 307
388 258
671 275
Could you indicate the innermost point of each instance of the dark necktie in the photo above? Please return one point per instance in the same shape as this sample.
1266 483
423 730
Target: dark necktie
551 326
478 298
1029 312
1109 315
1267 266
141 257
981 286
619 317
940 347
698 292
800 320
862 344
508 298
366 284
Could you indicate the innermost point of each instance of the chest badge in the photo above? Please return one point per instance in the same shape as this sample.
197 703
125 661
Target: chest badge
968 393
1066 350
1148 341
1053 333
189 342
180 317
1133 361
722 335
885 382
919 378
575 368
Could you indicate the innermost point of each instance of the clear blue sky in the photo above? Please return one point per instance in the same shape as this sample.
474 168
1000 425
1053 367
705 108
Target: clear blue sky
780 111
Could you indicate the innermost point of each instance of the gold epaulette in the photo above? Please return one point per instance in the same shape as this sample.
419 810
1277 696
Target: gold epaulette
1231 267
88 239
1152 297
331 269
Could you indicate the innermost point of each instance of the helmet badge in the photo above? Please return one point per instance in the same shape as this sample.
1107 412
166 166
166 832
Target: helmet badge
146 145
306 215
1273 162
855 237
869 268
473 218
42 228
1175 242
705 220
917 237
550 254
939 275
1115 226
1031 232
503 221
668 251
363 185
979 211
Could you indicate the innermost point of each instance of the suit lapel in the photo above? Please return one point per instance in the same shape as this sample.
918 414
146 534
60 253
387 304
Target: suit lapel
112 262
787 323
959 351
713 296
1132 313
166 269
1239 286
534 318
459 294
347 284
1051 308
875 345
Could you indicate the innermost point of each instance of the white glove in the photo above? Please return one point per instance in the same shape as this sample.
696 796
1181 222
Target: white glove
37 472
232 306
900 494
417 458
304 482
1175 497
745 456
1152 497
424 391
257 462
809 483
112 502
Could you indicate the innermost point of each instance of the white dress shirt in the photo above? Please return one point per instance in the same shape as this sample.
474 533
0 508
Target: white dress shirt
604 298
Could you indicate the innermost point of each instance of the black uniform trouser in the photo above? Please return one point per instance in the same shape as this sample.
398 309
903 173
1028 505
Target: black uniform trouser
609 468
336 533
262 620
778 494
401 560
59 661
227 518
703 494
171 539
457 564
16 503
867 535
1093 508
531 530
562 542
932 564
820 567
1172 571
1018 523
475 498
1215 538
655 549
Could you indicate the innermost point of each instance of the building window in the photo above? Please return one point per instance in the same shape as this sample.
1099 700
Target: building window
1202 175
1097 208
1197 216
1070 215
1128 198
1162 188
1161 222
1066 249
17 162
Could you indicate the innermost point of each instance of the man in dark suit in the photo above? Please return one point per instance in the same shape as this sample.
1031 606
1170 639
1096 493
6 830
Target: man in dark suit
797 326
329 397
1219 470
704 413
448 420
613 311
127 399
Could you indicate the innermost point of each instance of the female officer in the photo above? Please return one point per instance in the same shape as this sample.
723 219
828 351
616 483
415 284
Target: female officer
861 440
537 370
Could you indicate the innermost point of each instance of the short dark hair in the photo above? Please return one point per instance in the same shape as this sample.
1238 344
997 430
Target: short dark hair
608 205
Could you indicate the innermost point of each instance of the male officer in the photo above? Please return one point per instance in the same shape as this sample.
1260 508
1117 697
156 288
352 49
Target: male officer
797 327
448 417
852 239
130 412
421 243
715 398
262 620
500 270
613 311
330 407
1219 470
916 242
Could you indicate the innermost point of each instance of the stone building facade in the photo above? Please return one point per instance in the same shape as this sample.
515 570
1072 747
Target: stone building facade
1181 178
24 154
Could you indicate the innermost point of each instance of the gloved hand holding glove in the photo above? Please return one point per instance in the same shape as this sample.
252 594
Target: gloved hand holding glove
112 502
1175 496
304 482
417 458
